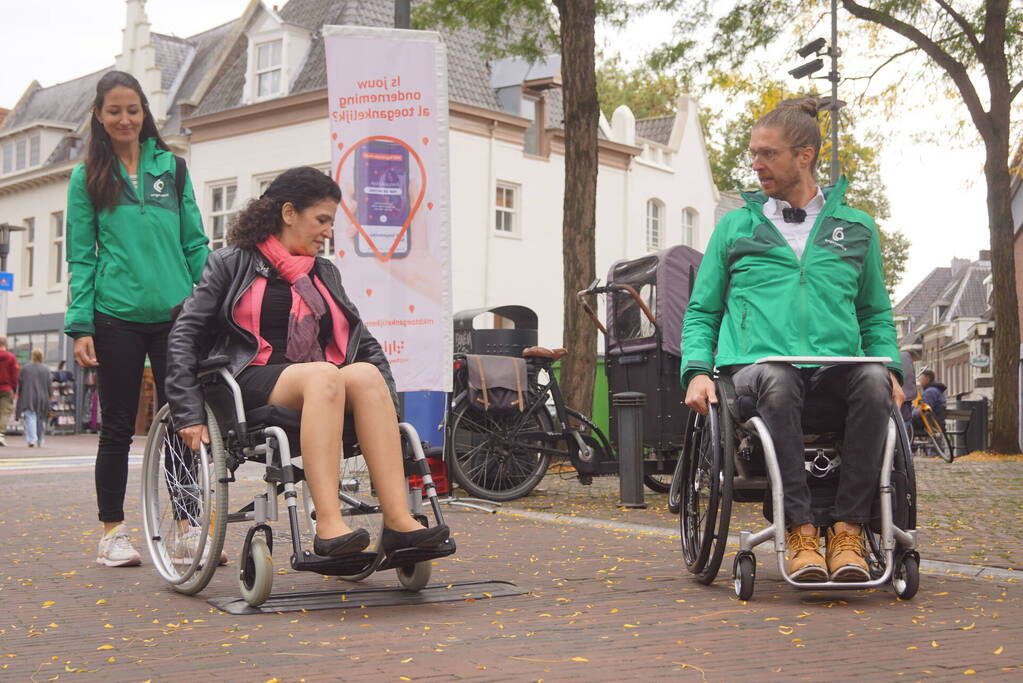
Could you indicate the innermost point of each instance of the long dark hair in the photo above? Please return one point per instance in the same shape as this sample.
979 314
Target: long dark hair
302 187
101 179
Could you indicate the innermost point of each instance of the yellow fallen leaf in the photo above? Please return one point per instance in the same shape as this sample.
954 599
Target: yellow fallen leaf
969 672
631 625
105 647
579 659
111 660
404 678
972 624
785 630
934 643
998 651
614 610
942 593
406 661
274 680
48 603
101 602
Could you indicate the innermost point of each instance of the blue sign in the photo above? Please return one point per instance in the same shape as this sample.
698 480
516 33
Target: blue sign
6 282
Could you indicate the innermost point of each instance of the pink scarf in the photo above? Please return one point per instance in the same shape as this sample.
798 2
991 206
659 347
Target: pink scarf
306 309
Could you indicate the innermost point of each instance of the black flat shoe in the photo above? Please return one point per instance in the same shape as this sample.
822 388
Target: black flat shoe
391 540
352 542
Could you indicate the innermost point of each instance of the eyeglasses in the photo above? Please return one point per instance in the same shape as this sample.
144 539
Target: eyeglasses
767 154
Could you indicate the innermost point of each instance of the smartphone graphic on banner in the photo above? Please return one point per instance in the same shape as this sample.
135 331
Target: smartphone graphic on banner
382 196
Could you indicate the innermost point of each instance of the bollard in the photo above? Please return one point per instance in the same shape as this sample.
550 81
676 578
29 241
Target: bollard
628 406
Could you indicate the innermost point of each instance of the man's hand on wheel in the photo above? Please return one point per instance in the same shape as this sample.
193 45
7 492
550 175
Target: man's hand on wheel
193 435
898 396
700 392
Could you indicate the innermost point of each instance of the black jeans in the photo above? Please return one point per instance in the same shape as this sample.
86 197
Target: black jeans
121 349
857 398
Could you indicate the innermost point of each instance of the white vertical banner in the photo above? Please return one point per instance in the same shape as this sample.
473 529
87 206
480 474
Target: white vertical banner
387 93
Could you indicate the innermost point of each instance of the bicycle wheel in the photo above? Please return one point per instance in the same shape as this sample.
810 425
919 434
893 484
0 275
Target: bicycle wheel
184 504
936 435
495 456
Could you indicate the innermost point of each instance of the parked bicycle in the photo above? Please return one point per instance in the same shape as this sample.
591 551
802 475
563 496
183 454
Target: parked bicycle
508 419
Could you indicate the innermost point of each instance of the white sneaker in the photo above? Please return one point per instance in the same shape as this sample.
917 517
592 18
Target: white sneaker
115 549
187 546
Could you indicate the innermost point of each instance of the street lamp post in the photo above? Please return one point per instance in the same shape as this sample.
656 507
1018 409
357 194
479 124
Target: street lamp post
5 248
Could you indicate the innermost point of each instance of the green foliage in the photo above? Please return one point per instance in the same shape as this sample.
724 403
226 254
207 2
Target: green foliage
646 92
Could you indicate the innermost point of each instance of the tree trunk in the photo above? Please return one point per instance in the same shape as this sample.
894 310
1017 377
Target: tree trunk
1005 406
578 74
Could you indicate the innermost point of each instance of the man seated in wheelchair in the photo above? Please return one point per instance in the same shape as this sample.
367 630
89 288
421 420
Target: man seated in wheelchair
797 272
293 338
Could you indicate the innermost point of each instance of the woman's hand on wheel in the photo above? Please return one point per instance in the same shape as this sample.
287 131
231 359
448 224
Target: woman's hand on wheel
85 352
700 392
898 396
192 436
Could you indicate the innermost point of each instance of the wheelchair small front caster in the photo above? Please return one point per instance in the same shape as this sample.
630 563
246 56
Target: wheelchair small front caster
906 576
744 573
414 578
256 574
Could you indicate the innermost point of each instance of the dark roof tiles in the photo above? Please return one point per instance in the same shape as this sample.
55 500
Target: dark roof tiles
657 129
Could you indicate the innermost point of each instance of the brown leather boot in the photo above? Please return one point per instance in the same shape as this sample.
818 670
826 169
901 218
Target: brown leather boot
847 553
806 564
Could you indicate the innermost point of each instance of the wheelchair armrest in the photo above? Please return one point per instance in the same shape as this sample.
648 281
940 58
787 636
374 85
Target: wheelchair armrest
213 363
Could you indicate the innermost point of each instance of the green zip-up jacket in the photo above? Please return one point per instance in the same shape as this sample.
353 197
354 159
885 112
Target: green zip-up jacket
139 260
753 298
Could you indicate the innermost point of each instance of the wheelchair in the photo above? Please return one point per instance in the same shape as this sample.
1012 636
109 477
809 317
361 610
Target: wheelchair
729 456
185 496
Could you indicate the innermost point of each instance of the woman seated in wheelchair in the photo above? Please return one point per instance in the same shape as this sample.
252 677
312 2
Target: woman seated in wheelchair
792 273
294 339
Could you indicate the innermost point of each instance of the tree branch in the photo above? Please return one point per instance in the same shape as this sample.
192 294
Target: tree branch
955 69
971 35
1015 91
883 65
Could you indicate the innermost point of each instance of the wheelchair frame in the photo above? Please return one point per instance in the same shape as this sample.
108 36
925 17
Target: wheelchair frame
896 553
226 452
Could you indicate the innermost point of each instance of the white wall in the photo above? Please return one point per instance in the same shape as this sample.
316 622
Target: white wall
38 203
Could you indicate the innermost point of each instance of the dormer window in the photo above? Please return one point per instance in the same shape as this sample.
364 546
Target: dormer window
268 68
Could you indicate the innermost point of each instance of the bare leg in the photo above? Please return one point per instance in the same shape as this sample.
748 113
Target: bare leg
377 426
318 391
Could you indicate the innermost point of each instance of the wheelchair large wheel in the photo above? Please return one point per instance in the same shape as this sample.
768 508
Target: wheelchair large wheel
936 436
496 456
184 504
706 492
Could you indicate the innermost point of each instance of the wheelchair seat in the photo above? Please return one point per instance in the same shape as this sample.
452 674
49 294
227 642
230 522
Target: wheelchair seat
274 416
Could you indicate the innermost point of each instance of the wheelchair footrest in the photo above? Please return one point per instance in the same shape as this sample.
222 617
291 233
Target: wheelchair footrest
410 556
345 565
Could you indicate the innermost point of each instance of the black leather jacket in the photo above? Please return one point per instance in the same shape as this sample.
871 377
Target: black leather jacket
206 327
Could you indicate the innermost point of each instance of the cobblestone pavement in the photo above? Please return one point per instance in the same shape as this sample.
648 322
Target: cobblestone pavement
602 604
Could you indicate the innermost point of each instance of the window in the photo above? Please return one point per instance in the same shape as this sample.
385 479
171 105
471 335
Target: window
689 227
33 150
56 248
654 211
506 217
20 147
221 210
28 254
268 68
532 110
8 157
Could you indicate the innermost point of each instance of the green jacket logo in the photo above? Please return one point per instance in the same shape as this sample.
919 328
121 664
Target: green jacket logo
158 185
836 238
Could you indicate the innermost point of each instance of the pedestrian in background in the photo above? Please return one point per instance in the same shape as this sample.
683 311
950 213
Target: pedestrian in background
34 399
135 248
8 383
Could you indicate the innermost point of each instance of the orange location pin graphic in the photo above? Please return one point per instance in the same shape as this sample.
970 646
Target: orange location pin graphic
387 252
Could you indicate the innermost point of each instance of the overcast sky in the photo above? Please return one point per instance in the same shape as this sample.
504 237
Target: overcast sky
937 191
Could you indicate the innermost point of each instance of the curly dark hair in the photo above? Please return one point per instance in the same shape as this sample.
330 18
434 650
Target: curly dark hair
301 187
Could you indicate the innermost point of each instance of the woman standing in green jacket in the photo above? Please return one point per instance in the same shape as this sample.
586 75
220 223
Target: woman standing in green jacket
136 247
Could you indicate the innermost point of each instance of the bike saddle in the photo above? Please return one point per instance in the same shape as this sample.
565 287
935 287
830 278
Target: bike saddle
542 352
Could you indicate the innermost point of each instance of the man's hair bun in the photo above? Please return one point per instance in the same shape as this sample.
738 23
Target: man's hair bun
807 105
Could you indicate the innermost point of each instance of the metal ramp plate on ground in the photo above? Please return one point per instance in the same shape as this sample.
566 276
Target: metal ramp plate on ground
371 597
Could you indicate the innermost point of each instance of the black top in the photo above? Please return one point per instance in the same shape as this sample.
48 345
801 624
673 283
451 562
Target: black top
274 316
